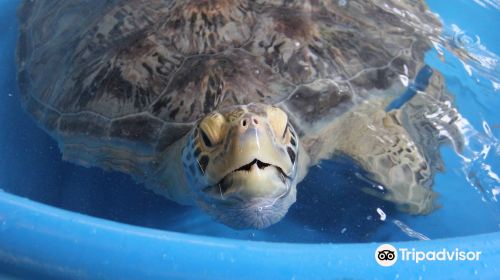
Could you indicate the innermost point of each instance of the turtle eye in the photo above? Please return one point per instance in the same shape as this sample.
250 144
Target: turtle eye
212 129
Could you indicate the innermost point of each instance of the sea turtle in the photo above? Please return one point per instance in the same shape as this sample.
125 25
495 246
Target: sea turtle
225 104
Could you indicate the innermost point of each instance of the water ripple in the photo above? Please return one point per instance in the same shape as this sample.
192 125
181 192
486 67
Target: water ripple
476 155
495 4
475 57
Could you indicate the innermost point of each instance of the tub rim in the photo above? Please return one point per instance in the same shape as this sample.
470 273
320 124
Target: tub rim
44 241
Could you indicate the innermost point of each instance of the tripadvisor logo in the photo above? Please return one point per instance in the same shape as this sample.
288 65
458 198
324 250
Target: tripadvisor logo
388 255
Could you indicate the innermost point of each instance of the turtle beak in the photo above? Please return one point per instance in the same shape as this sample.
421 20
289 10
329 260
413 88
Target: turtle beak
259 168
252 181
252 138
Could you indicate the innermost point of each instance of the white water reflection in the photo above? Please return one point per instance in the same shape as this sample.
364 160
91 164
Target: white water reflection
477 60
475 155
495 4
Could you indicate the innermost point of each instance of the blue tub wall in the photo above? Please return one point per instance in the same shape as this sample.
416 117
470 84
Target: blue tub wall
39 241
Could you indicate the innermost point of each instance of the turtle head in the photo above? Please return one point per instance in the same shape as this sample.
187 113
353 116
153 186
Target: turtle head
241 163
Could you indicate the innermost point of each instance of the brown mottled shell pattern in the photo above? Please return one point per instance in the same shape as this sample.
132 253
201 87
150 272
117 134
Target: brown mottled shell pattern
123 80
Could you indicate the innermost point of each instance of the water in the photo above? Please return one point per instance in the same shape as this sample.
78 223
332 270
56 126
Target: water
328 210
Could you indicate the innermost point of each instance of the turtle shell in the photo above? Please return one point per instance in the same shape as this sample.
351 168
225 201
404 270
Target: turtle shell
118 82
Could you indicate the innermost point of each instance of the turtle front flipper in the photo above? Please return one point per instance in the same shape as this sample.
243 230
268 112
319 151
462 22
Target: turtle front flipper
399 147
378 142
431 119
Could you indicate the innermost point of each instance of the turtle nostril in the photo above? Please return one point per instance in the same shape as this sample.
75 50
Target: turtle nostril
249 121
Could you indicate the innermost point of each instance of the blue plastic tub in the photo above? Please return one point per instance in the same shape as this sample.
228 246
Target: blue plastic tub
39 241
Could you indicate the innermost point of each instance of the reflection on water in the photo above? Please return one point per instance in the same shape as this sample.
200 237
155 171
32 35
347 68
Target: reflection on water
333 202
488 3
477 60
482 148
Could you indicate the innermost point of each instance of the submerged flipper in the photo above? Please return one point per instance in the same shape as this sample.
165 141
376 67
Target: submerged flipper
378 142
399 147
432 120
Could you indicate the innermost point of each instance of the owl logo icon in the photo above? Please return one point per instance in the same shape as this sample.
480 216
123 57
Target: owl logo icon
386 255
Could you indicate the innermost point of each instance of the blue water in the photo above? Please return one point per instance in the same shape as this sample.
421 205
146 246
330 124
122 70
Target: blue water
328 210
